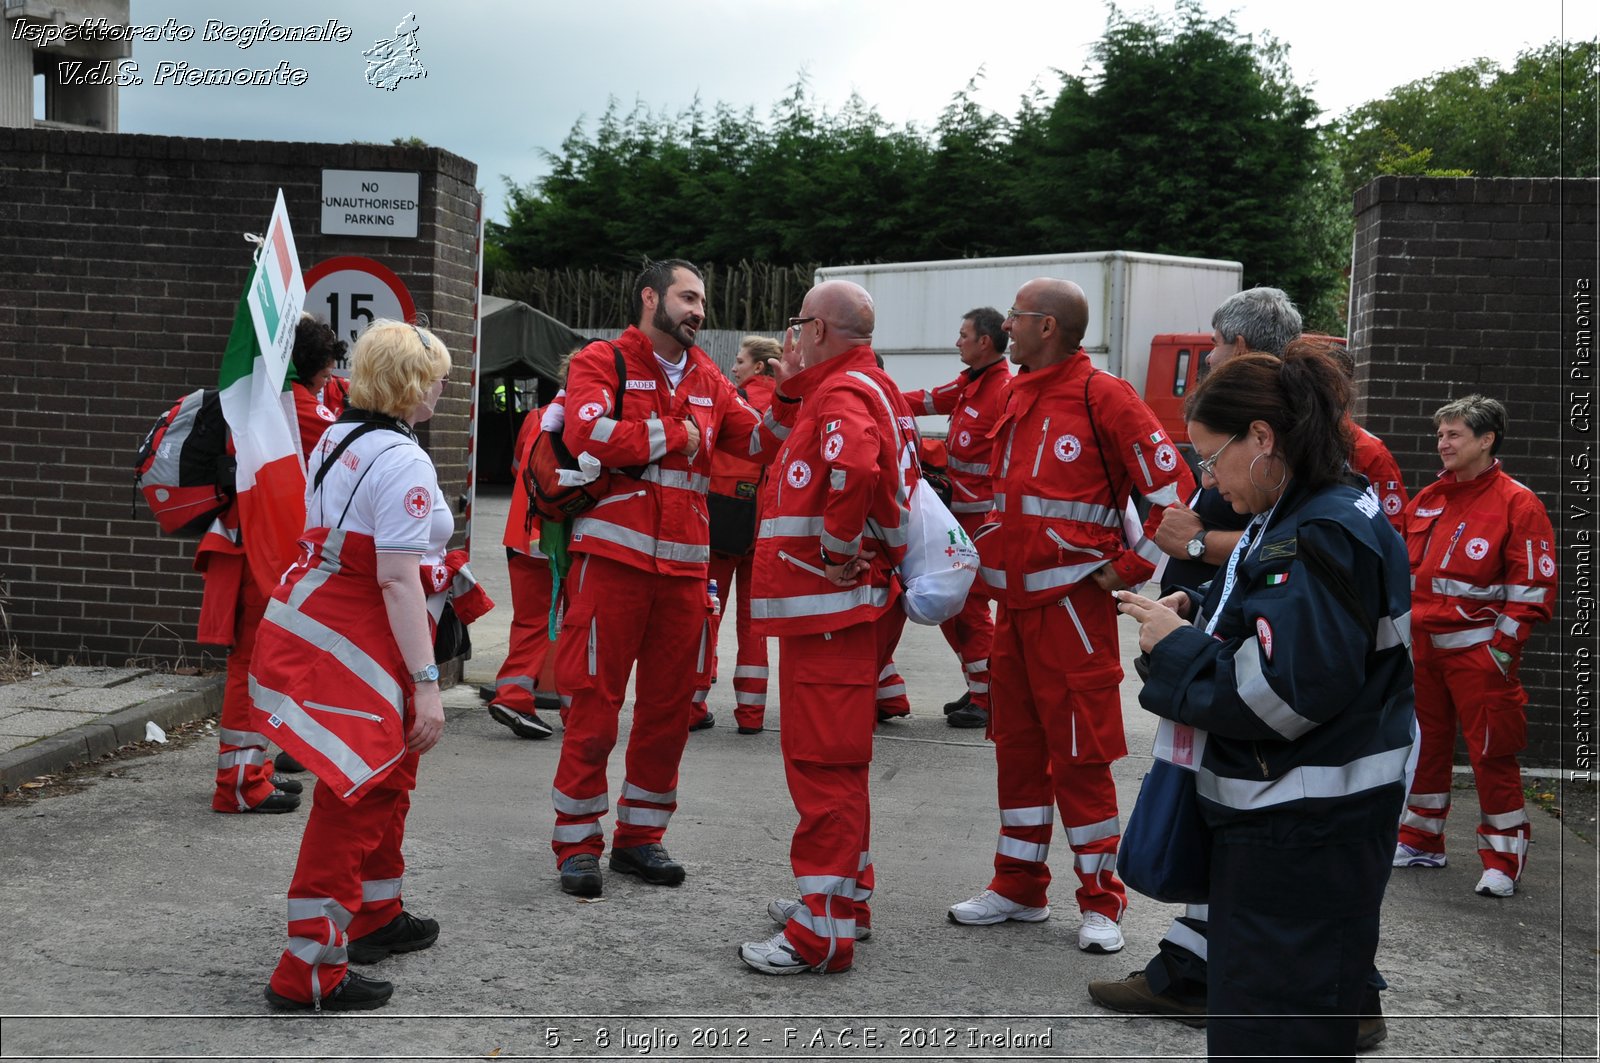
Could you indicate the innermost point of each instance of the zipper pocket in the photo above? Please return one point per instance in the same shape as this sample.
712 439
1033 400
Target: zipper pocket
617 498
1044 437
343 712
1059 541
1445 560
797 563
1255 748
594 644
1066 603
700 659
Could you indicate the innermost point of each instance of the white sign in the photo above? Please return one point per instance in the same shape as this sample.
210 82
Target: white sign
351 292
277 292
369 203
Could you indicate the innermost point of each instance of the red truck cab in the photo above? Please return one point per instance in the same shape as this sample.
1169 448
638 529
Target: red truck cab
1176 359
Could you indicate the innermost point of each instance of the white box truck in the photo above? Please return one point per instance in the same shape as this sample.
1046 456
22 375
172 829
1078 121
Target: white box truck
1133 298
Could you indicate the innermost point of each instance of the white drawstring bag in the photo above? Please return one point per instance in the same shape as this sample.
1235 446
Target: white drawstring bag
940 560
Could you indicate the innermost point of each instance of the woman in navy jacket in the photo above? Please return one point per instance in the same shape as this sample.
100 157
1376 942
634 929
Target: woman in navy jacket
1296 666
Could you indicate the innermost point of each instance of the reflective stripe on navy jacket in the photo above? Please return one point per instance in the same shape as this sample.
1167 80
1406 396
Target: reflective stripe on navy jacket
1305 704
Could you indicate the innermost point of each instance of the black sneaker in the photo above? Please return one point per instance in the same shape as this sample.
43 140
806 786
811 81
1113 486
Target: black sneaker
356 993
750 730
275 802
960 703
971 716
287 765
547 700
286 784
404 933
649 862
580 875
522 724
487 691
705 722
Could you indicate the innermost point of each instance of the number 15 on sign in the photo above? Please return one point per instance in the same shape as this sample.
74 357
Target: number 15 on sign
351 292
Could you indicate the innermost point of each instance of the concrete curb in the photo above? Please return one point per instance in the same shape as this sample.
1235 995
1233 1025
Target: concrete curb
117 729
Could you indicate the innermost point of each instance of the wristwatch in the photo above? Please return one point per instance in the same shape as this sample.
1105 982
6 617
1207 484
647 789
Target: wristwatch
429 674
1196 547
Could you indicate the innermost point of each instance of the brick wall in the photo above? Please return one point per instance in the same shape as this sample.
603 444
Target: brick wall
121 262
1463 285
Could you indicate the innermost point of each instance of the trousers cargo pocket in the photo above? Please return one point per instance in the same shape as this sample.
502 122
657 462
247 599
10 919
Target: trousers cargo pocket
829 716
578 648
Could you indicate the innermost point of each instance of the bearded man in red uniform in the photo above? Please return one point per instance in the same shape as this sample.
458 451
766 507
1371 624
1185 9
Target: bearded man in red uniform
1070 446
835 527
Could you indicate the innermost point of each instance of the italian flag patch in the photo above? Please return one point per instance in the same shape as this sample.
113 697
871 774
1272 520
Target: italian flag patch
1155 437
1277 578
831 426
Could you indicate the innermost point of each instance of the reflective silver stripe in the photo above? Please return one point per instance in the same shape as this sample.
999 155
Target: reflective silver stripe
837 479
381 889
1163 496
1000 503
774 527
1394 631
688 481
1197 911
971 468
1144 466
840 547
750 671
1505 820
1508 625
324 741
1186 937
1454 640
982 506
241 738
636 816
575 832
1306 781
975 687
891 691
1515 844
1032 816
240 756
1429 800
1060 509
353 657
329 565
865 861
1257 693
994 577
516 682
896 536
312 952
1094 832
603 427
1493 592
825 926
319 908
771 424
664 549
1018 849
1094 863
566 700
1422 823
973 667
742 698
818 604
656 431
886 671
579 806
927 403
631 792
831 885
699 697
1148 550
1064 576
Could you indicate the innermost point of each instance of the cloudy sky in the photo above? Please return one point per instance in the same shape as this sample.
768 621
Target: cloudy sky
506 80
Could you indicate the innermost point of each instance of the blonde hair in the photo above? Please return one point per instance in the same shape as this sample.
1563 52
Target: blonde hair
764 350
393 365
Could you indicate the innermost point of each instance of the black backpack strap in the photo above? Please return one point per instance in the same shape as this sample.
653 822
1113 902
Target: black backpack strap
338 451
1099 448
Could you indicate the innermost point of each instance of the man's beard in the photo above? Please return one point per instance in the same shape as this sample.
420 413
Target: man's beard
678 330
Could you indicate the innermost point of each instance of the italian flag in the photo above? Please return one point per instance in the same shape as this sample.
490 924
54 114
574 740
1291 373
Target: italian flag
260 409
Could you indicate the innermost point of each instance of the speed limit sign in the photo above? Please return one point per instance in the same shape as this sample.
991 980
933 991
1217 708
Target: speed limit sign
352 292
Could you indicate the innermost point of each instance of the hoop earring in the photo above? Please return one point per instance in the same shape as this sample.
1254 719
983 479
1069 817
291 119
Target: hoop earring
1281 480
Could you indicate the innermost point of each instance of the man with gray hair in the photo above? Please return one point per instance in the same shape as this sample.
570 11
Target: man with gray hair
1256 319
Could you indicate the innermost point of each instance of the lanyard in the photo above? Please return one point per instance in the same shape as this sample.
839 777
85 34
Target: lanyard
1239 552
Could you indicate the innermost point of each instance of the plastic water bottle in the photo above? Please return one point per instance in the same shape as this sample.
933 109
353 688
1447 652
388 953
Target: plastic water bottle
713 602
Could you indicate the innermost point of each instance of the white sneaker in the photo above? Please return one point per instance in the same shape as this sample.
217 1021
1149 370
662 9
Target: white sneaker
1495 883
1407 856
782 910
989 907
1099 934
773 956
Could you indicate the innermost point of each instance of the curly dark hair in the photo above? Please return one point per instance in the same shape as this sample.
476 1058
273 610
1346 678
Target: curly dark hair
316 346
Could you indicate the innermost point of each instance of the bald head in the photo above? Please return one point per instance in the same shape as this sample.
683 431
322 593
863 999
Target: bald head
845 319
1049 319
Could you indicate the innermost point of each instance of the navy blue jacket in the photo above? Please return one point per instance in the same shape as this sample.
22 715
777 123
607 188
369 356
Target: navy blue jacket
1306 686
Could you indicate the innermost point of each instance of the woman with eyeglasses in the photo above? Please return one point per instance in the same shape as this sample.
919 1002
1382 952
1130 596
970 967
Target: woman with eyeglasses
344 674
1295 670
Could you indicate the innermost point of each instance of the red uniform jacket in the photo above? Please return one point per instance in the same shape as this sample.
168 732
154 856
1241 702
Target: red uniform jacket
316 412
1482 562
1372 459
656 521
730 470
519 535
839 485
1059 519
974 400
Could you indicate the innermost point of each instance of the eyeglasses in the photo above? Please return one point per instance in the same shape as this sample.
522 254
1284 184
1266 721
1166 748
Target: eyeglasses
423 337
1014 312
796 323
1208 466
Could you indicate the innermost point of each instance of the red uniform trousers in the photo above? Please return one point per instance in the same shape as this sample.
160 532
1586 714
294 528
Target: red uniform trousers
971 632
1055 736
244 774
826 687
750 671
531 646
891 691
1468 685
346 881
616 615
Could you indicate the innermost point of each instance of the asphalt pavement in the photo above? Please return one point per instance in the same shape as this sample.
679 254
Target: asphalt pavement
139 924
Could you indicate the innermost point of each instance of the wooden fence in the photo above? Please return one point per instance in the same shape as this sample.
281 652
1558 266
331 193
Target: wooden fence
745 297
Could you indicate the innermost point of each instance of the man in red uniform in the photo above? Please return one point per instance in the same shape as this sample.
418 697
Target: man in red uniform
1072 443
1484 573
1369 456
637 590
836 527
973 401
